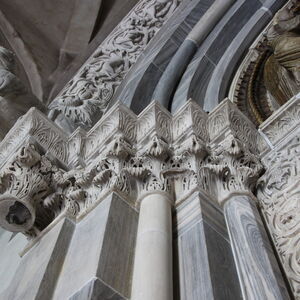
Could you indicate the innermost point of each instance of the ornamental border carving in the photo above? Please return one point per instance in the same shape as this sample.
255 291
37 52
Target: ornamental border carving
86 97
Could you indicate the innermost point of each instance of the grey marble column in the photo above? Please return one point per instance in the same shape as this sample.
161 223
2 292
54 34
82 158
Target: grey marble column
100 256
259 273
204 266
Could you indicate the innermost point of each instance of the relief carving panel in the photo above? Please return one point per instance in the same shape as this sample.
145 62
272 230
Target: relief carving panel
85 98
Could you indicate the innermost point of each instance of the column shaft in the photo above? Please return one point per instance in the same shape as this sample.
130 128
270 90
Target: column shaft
259 273
152 275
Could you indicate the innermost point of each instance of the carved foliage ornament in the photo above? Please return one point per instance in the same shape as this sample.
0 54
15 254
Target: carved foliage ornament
124 155
233 169
87 95
278 193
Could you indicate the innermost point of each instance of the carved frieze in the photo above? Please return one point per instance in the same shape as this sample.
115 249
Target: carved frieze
86 96
278 193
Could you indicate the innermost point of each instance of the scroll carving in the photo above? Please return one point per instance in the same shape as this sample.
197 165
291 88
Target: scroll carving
278 192
87 95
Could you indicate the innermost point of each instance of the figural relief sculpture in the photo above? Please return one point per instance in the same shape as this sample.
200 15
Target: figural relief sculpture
269 75
282 68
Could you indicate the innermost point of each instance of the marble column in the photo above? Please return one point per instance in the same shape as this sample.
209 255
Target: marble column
204 266
152 275
259 273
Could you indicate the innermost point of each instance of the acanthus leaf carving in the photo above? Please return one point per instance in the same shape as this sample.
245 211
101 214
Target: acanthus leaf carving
234 167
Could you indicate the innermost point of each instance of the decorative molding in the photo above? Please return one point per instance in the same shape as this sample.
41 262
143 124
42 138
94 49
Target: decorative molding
283 122
278 195
226 120
86 96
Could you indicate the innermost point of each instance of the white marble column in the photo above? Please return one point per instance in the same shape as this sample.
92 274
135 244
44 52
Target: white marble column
259 273
152 274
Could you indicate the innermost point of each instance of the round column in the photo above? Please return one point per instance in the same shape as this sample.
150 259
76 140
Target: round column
259 273
152 274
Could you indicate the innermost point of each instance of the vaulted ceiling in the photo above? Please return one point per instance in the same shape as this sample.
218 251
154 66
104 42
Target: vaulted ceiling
51 39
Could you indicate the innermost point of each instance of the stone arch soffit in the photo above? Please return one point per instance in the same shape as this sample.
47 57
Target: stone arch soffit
209 75
136 90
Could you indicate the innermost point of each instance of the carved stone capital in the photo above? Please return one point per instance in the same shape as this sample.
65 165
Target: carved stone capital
233 169
25 181
135 155
227 120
